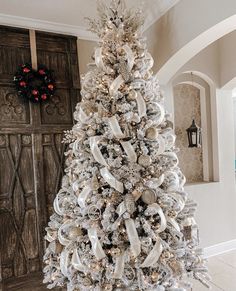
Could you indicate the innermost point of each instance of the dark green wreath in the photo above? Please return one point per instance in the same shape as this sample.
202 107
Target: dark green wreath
34 85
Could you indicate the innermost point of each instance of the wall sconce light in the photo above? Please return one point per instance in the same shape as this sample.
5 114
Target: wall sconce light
194 135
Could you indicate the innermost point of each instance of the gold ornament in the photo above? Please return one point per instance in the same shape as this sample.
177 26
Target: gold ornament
144 160
172 214
95 183
132 95
74 232
137 194
155 276
115 252
108 287
149 196
95 267
91 132
176 267
152 133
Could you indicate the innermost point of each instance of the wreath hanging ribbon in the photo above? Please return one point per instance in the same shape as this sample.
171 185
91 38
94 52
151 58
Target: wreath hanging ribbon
34 85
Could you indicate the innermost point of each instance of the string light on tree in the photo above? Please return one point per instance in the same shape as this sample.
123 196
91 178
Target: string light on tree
122 219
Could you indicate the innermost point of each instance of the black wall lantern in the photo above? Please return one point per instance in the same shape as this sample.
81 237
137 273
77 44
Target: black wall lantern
194 135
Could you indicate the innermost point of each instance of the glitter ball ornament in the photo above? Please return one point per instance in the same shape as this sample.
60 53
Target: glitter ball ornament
132 95
144 160
151 133
149 196
74 233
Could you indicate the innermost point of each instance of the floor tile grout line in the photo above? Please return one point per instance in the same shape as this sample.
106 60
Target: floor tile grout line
228 264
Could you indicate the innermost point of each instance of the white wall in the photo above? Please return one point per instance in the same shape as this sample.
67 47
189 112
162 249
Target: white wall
216 213
85 52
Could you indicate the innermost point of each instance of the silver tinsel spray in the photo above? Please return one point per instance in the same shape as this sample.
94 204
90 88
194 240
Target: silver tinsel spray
122 219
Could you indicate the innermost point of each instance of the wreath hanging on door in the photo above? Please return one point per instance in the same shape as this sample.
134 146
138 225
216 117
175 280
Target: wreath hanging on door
34 85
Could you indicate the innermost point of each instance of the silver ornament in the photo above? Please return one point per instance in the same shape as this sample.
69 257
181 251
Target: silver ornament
144 160
151 133
94 213
148 196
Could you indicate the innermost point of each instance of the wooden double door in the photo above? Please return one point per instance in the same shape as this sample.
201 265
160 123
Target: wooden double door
31 152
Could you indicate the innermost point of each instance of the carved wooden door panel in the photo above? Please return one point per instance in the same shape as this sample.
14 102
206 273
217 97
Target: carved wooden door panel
31 153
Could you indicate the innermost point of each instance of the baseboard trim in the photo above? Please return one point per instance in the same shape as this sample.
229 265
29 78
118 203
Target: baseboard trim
219 248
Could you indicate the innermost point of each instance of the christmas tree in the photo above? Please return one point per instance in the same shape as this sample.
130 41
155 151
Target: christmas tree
122 219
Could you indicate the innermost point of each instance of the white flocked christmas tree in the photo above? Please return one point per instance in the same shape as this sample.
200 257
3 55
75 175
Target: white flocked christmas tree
122 219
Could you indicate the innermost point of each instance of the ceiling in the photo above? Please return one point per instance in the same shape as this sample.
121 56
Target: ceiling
67 16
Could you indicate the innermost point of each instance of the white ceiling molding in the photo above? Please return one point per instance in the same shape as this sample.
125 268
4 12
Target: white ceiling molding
42 25
68 23
152 17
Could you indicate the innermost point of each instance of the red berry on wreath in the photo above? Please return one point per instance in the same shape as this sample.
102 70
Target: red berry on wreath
36 98
22 83
41 72
50 86
35 92
26 70
44 96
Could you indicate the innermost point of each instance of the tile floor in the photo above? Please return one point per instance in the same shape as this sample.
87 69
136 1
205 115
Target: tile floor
222 269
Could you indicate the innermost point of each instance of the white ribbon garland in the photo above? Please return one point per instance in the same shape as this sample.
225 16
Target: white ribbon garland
151 62
99 61
56 206
63 241
142 110
129 150
173 156
154 183
129 56
76 262
115 127
115 85
154 255
173 181
111 180
64 262
96 246
161 148
119 267
49 238
83 196
83 117
158 119
93 142
135 243
174 223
